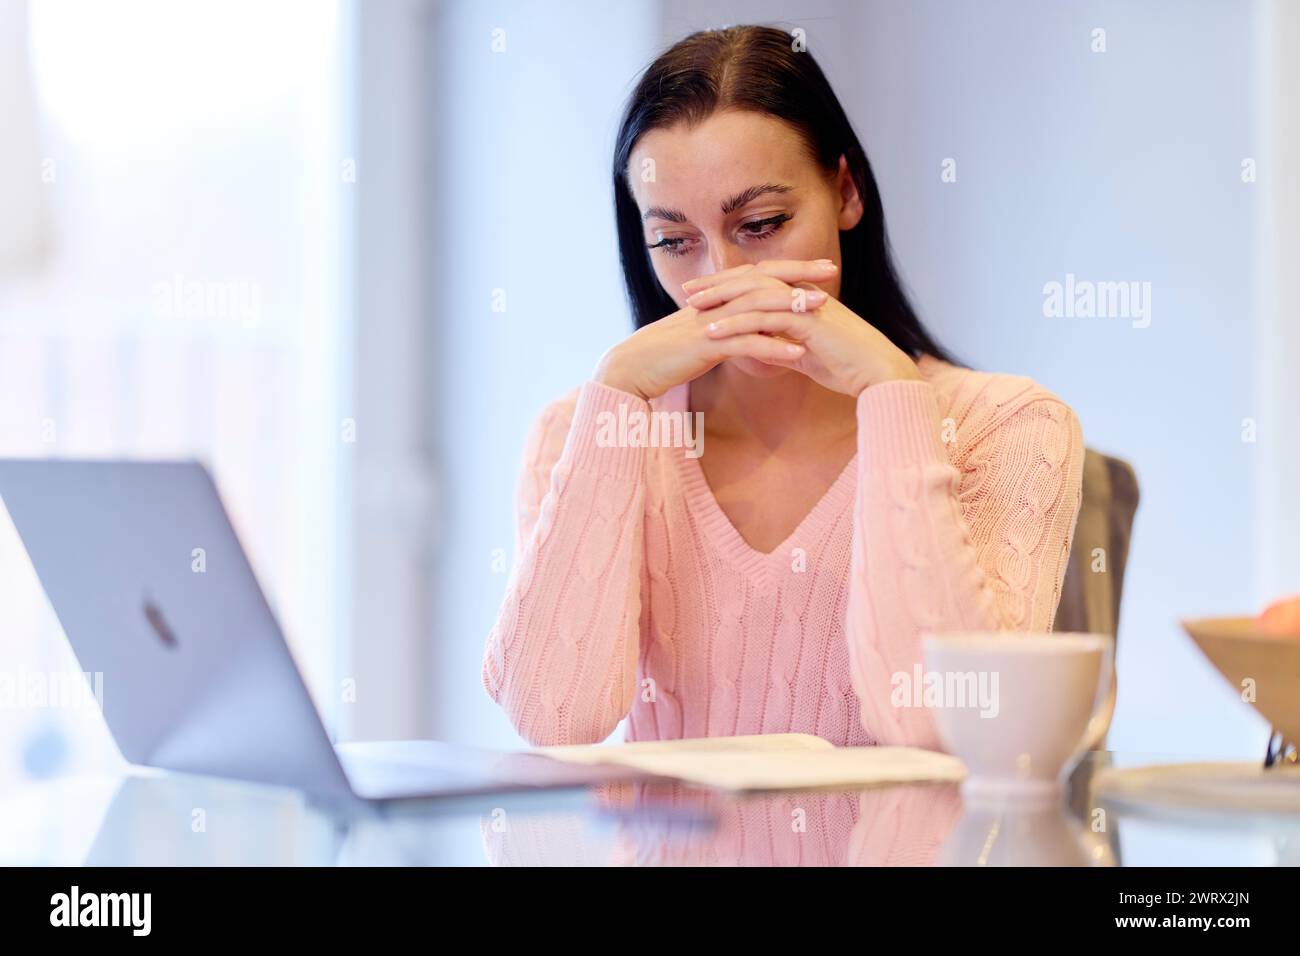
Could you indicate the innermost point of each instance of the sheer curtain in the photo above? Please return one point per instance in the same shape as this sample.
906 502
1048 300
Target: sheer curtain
192 302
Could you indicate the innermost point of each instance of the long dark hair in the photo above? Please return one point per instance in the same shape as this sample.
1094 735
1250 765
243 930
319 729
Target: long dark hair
756 68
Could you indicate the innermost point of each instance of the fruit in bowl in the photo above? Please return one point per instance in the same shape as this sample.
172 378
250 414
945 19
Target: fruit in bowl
1282 617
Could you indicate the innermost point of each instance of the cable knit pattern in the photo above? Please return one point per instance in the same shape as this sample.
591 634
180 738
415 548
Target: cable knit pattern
634 596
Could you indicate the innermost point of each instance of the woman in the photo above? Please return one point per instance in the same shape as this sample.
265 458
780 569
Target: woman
857 487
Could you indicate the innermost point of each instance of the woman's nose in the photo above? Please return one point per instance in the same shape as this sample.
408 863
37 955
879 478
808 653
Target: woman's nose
726 255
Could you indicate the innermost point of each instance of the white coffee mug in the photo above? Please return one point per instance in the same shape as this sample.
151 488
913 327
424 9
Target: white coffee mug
1019 709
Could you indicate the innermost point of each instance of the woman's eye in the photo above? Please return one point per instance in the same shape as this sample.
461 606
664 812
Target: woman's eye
670 245
758 229
763 228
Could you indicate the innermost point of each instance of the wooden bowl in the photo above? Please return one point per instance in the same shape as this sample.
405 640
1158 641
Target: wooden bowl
1242 652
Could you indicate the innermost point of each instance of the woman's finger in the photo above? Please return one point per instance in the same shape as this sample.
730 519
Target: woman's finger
725 291
787 270
788 296
765 348
778 298
789 325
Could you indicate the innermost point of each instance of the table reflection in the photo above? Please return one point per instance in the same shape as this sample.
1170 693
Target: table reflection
916 825
166 819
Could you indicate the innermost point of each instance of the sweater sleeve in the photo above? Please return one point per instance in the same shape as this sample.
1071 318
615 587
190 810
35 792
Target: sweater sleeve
977 545
561 658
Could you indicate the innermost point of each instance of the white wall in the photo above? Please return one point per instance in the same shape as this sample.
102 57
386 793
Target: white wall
1122 165
23 229
1278 394
523 204
394 483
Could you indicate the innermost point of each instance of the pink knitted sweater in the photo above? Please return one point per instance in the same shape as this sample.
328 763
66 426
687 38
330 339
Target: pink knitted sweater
634 596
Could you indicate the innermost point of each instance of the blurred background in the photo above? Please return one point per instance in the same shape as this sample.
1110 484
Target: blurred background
345 252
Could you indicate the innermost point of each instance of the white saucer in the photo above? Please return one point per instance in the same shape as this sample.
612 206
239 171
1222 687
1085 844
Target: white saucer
1216 789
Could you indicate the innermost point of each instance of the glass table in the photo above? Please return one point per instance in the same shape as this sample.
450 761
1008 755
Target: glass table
155 818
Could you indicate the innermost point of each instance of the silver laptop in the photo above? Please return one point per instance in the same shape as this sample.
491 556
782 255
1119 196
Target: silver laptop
197 675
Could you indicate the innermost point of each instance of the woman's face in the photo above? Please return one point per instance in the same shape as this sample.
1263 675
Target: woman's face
738 188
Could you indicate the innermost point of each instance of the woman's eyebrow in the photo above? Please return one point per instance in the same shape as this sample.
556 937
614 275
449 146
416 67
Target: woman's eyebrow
660 212
742 198
747 196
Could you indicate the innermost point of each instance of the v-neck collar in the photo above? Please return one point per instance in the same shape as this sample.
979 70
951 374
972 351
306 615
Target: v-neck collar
703 504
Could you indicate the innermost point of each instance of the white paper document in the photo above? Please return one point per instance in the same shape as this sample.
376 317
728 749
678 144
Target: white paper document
770 762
